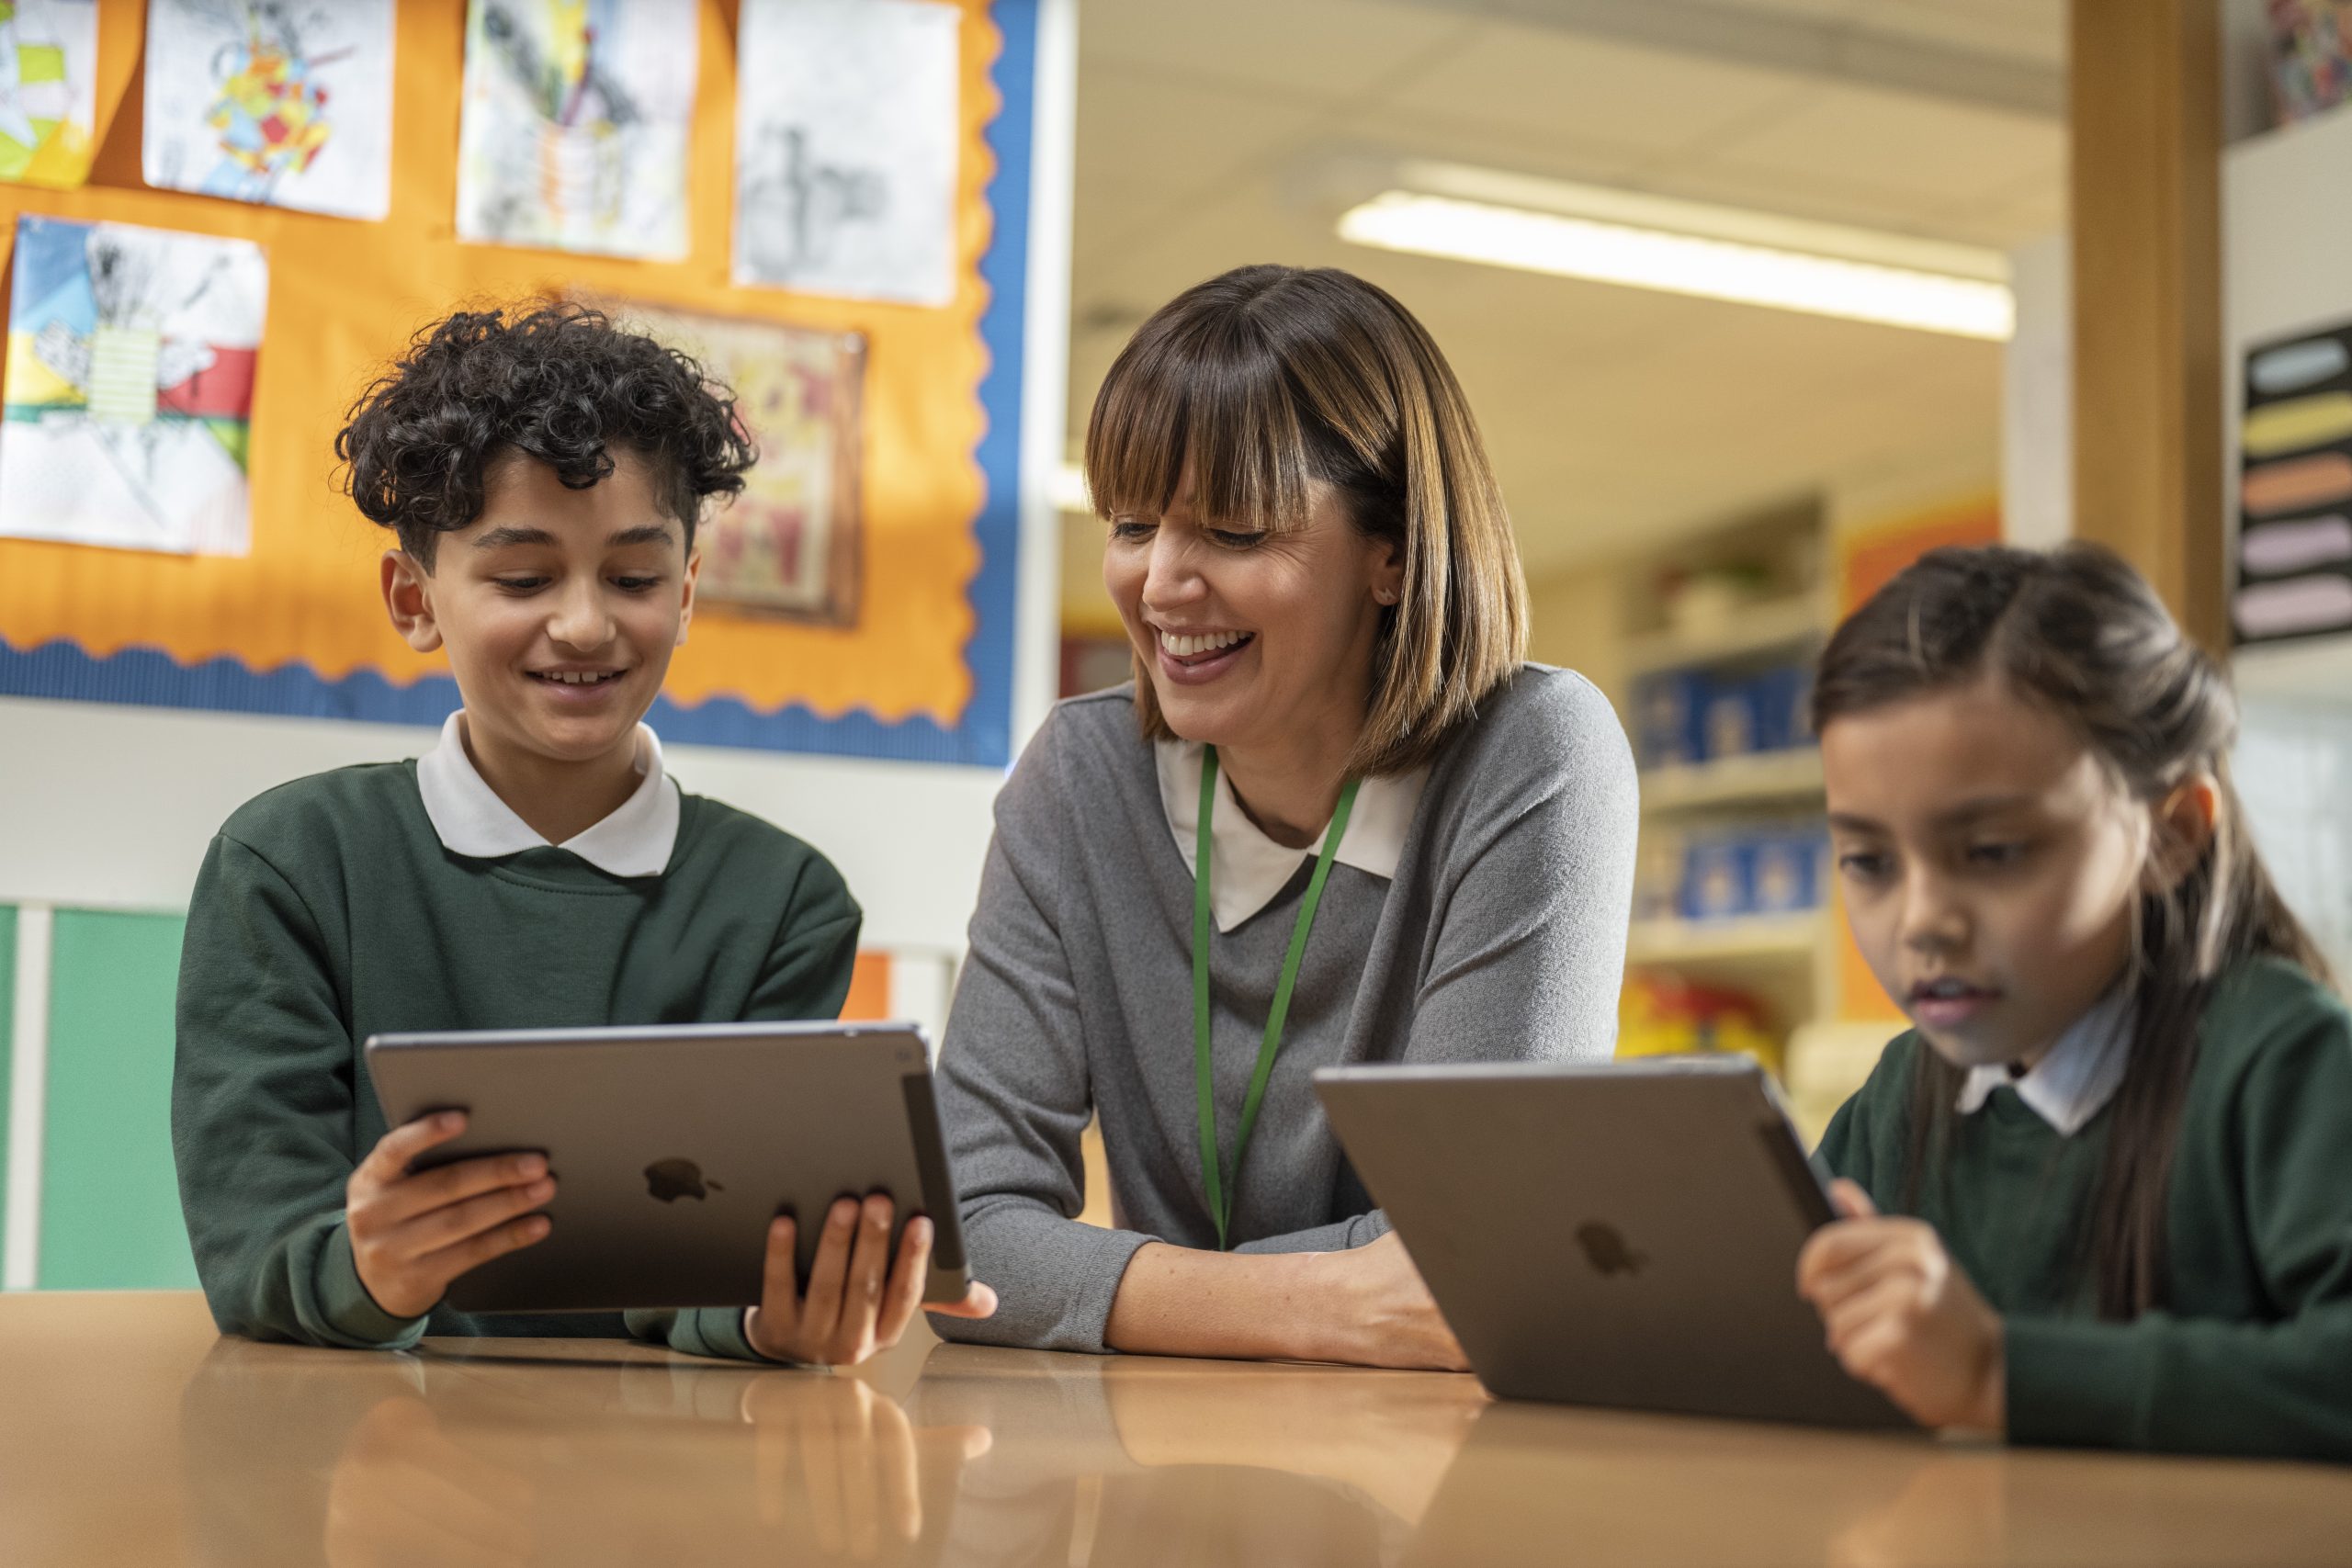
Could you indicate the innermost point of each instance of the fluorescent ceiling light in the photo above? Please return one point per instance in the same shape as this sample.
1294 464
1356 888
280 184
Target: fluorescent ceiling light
1682 248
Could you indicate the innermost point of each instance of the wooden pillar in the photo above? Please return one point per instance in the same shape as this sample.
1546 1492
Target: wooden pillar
2145 117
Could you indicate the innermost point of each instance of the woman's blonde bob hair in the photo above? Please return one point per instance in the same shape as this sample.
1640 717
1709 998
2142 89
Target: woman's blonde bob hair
1272 376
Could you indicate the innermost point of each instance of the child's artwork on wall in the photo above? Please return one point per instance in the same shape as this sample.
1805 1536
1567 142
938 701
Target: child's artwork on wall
2294 540
788 545
574 131
129 387
289 105
845 156
49 57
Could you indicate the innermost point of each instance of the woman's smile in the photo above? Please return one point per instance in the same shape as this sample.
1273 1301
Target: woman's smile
1192 659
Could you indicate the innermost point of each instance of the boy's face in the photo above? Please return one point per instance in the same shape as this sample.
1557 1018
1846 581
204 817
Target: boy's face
560 608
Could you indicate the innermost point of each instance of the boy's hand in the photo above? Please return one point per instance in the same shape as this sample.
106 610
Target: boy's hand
1902 1318
414 1233
851 1310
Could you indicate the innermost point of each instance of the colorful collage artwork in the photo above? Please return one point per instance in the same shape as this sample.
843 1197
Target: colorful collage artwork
126 389
575 129
129 387
845 160
286 104
788 545
49 56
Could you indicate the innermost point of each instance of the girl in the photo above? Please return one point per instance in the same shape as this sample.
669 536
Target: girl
2120 1122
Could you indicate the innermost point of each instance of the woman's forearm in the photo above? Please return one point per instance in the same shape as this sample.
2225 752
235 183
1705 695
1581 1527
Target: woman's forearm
1175 1301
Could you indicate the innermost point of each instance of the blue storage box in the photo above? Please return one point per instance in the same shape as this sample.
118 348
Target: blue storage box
1718 877
1787 871
1783 699
1668 707
1735 720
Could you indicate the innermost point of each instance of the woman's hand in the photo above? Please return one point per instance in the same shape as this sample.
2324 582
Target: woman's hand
1385 1316
412 1233
852 1309
1902 1318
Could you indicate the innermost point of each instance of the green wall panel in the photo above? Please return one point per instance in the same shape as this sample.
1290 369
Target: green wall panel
109 1202
7 1062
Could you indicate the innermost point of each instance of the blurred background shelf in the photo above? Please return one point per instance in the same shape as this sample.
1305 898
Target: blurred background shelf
1764 778
1794 937
1783 625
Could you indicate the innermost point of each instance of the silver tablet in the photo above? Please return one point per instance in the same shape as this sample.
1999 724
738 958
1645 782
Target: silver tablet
674 1146
1617 1234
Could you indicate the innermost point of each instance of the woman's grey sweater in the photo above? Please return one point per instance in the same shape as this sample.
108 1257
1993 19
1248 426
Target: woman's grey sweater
1502 937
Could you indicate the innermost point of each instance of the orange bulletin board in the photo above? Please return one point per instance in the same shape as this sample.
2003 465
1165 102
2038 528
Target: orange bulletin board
296 626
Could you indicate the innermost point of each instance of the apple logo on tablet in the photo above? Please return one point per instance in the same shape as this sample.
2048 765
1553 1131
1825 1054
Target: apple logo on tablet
670 1180
1605 1249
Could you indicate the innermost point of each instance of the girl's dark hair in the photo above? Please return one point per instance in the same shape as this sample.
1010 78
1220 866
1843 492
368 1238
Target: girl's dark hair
554 381
2077 631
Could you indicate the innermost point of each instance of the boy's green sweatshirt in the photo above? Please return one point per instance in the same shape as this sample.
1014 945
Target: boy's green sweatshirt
2252 1350
328 910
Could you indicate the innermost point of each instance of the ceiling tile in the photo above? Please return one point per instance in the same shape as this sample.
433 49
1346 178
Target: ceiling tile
1326 50
1806 10
2020 29
1898 142
1149 146
1550 82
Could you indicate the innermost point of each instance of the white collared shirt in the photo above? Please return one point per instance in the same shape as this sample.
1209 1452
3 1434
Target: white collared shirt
1249 868
2075 1078
633 841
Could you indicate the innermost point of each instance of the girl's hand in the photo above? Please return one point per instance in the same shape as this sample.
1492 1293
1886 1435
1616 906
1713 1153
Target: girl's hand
412 1233
1386 1316
1902 1318
851 1311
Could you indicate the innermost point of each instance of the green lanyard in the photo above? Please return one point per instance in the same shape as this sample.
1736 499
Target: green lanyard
1220 1190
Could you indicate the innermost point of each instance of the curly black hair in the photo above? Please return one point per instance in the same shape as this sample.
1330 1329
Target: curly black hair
554 381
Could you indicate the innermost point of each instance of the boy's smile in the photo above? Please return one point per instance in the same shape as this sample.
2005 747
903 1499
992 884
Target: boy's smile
560 609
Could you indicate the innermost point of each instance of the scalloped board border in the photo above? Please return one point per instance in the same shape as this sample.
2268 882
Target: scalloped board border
983 736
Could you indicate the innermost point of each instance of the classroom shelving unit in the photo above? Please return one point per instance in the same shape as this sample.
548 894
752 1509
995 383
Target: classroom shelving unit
1788 960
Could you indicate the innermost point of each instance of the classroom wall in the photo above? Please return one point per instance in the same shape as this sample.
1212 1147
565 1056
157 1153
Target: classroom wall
106 809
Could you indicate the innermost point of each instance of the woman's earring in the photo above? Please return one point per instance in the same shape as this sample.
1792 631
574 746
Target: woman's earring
1386 596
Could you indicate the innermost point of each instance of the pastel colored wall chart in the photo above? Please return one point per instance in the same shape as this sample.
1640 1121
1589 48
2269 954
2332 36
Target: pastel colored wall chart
2294 533
47 91
296 627
129 386
257 100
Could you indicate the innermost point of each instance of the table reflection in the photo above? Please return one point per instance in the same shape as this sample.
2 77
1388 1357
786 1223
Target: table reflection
489 1452
1543 1484
481 1453
489 1458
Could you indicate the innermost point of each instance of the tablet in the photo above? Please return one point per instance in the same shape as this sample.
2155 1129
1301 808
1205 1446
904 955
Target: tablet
1618 1233
674 1146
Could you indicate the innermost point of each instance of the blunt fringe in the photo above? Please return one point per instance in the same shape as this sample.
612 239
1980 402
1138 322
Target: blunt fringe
2079 632
1269 377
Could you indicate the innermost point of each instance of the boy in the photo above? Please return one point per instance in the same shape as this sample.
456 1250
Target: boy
543 472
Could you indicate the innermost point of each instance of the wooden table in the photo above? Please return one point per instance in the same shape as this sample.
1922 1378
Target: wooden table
131 1435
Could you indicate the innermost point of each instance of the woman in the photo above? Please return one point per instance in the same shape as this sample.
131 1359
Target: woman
1417 849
